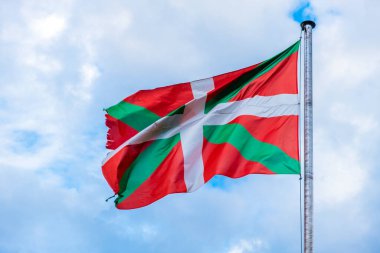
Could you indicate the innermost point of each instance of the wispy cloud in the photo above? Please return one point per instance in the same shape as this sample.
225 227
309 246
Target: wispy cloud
243 246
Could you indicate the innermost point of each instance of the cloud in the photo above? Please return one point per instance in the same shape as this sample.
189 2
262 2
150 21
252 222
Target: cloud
345 85
82 90
341 175
243 246
344 72
62 62
48 27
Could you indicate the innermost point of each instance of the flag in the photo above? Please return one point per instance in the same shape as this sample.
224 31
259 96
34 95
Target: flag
175 138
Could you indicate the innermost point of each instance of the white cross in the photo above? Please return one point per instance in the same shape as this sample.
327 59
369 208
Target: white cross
192 135
190 124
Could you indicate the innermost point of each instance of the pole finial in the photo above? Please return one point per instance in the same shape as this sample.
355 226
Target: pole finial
307 22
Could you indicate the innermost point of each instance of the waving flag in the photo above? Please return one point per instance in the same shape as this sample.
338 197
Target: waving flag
176 138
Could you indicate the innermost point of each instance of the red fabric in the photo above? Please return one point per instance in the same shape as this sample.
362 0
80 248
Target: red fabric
220 81
166 179
280 131
118 132
225 159
114 169
224 79
162 100
282 79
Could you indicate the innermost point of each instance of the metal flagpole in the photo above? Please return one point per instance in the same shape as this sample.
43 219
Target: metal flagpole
307 27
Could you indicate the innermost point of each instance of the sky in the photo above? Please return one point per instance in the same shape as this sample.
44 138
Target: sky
63 61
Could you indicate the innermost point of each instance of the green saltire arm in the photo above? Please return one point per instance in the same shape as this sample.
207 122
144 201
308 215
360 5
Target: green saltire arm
226 94
135 116
272 157
144 166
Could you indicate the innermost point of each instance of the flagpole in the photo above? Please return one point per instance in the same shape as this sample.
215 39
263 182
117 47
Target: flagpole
307 27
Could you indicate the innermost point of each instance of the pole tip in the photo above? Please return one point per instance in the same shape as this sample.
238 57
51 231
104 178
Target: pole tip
307 22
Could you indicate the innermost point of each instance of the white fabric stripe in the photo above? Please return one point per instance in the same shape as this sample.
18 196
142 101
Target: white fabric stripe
220 116
192 135
269 106
201 87
281 99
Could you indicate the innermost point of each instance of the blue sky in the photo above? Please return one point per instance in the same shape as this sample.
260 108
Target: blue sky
62 62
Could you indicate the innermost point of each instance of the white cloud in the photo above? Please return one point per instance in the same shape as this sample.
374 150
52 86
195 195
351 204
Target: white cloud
83 90
48 27
345 96
35 110
42 62
244 246
89 74
364 123
340 174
